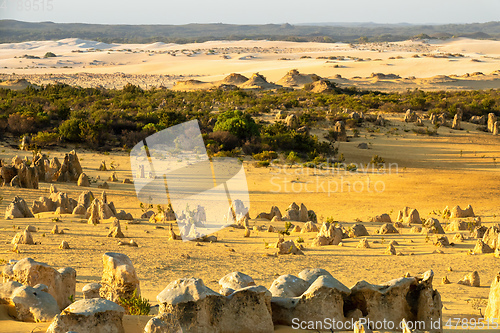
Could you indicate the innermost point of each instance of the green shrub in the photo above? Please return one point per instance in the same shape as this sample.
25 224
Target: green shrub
135 305
260 164
49 55
70 129
43 139
266 155
237 123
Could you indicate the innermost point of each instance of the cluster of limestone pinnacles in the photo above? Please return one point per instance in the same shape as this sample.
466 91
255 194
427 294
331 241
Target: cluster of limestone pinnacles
35 291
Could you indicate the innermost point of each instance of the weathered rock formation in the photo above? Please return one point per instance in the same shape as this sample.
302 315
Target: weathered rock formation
493 308
89 316
119 279
197 308
61 283
17 209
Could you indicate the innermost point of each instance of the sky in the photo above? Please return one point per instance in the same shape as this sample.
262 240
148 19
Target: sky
251 11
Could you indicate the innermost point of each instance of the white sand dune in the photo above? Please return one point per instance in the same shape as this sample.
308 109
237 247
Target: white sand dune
212 61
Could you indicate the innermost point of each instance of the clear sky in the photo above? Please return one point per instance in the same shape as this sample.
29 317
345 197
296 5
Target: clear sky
251 11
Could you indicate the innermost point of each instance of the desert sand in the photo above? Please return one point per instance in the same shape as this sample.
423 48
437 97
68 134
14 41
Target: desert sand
456 167
466 63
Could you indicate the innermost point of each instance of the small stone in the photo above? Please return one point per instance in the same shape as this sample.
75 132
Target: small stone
64 245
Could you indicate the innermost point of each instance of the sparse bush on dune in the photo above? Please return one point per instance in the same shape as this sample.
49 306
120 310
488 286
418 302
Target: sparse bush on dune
44 139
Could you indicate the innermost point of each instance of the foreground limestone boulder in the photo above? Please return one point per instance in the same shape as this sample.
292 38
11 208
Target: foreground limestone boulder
61 283
493 307
94 315
236 280
288 286
91 290
197 308
18 209
323 299
32 304
412 299
162 323
311 274
119 279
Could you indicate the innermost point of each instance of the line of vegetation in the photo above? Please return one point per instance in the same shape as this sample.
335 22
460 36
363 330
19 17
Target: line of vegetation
229 119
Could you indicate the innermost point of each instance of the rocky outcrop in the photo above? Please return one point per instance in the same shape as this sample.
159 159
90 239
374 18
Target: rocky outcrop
457 212
162 323
31 304
119 278
70 169
387 228
472 280
358 230
482 248
91 290
83 180
491 236
493 307
197 308
115 230
288 286
409 216
23 237
492 118
340 132
457 225
17 209
328 234
410 116
383 218
433 226
89 316
313 295
61 283
456 123
292 121
236 280
411 299
324 298
309 227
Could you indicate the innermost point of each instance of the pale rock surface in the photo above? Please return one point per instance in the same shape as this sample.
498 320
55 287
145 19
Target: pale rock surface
94 315
288 286
119 278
